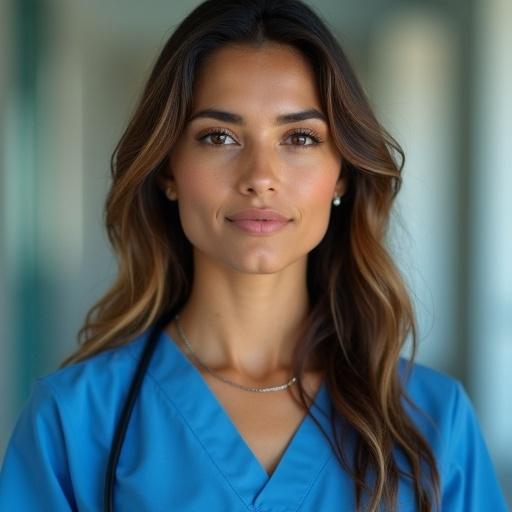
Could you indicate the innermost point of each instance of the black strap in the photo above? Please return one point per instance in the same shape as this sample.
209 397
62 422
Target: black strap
122 426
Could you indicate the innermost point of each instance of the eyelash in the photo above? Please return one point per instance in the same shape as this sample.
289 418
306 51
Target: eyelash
298 131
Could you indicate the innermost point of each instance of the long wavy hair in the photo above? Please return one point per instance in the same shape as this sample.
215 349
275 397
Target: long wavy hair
360 314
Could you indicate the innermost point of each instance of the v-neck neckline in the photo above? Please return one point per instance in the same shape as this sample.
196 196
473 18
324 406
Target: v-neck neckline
303 458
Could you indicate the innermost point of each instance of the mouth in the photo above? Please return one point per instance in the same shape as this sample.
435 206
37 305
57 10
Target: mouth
256 220
258 226
258 214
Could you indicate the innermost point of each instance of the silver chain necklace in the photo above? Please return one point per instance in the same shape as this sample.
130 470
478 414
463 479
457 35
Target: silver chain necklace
246 388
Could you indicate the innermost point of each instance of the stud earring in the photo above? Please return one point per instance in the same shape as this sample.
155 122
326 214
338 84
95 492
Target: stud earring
336 201
169 192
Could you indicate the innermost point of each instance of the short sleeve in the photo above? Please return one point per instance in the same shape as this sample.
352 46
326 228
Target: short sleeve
34 474
470 484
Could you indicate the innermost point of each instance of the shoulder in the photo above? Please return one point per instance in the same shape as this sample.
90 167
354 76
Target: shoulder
68 407
432 396
62 435
92 385
431 389
440 407
444 413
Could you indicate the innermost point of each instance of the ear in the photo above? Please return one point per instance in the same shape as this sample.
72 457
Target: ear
165 179
341 187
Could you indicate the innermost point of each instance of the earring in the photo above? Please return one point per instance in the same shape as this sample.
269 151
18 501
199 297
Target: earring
169 192
336 201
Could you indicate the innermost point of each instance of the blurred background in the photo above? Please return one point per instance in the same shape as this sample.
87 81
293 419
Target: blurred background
439 75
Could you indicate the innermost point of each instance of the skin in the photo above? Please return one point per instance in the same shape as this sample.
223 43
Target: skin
249 293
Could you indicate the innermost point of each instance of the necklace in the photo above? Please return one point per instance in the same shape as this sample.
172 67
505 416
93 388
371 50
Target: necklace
246 388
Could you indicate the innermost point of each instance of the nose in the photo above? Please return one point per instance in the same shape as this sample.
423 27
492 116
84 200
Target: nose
259 173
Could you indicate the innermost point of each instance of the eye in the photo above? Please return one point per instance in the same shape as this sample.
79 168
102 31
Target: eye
301 134
217 135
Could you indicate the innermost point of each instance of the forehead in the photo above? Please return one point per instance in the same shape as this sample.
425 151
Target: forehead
273 77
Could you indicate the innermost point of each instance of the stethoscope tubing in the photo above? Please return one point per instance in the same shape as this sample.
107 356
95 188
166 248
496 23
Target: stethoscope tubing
122 425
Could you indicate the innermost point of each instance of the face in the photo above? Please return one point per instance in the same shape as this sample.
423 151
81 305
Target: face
222 164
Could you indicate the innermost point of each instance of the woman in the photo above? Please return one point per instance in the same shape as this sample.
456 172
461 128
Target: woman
256 308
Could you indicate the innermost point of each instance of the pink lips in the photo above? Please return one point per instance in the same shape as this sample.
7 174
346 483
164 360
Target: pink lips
258 220
258 214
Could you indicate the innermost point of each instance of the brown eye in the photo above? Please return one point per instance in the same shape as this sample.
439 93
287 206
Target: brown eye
217 137
296 137
300 138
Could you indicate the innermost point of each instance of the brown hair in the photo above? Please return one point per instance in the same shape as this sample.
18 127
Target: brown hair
360 313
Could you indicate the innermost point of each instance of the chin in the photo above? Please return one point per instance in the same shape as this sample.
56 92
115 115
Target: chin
262 267
265 263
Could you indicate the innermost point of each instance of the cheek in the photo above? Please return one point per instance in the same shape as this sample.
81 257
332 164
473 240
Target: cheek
316 192
199 195
315 197
196 181
195 187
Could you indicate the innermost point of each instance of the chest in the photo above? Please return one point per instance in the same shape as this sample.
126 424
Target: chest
266 421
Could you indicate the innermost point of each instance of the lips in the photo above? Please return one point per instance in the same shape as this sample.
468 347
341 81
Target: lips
261 214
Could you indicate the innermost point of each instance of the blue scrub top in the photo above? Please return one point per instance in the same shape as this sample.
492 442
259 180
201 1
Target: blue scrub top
182 452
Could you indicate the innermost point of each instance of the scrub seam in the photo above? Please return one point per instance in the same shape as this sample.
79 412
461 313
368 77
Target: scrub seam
177 410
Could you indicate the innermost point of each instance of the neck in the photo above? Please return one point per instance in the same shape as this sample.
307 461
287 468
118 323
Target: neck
249 327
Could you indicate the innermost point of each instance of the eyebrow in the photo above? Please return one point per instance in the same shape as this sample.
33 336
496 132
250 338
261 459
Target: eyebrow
230 117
